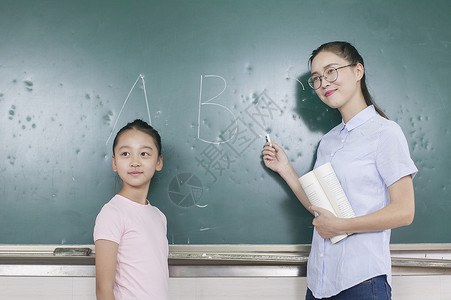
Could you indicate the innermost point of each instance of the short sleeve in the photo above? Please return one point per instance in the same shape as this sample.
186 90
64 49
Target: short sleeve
393 157
109 225
163 219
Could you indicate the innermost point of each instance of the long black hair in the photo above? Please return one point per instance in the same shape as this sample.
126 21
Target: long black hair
350 53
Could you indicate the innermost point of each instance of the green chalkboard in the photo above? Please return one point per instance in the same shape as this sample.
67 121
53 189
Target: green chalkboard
212 77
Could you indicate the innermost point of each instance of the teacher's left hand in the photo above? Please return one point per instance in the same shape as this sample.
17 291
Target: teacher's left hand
327 224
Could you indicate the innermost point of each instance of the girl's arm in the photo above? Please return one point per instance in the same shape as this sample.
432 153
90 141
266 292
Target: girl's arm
276 159
106 258
399 212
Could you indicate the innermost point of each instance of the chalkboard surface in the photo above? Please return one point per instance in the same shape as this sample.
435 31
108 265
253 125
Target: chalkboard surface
213 77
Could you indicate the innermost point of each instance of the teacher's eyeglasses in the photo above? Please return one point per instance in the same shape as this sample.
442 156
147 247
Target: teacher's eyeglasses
330 75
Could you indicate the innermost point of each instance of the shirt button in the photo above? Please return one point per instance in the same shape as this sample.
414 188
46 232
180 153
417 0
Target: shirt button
342 141
321 255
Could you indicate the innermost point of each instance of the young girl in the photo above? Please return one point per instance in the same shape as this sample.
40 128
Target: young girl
370 156
130 234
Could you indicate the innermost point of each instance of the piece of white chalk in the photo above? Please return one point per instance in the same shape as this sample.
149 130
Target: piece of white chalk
268 139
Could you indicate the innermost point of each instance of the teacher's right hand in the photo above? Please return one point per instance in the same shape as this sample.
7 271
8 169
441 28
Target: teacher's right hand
275 157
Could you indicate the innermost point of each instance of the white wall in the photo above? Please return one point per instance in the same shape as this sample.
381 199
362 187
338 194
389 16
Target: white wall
437 287
410 281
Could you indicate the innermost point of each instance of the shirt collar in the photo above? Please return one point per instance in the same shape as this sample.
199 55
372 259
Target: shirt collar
359 118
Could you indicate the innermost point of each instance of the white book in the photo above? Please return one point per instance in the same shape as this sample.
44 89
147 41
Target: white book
324 190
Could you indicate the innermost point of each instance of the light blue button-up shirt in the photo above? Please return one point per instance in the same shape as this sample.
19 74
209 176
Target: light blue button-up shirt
368 154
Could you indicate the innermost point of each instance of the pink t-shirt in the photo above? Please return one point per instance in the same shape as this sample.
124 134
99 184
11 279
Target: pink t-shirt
142 258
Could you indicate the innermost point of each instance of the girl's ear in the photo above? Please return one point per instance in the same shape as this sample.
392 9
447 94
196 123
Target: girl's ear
360 71
114 163
159 165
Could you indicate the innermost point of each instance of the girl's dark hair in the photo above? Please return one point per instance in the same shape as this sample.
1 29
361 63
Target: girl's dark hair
141 126
350 53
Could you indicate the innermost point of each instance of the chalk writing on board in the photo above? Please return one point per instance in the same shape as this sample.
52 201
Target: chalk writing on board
185 190
217 159
240 136
140 77
288 77
208 102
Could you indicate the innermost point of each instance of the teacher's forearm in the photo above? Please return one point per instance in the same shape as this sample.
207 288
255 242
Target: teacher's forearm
292 179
